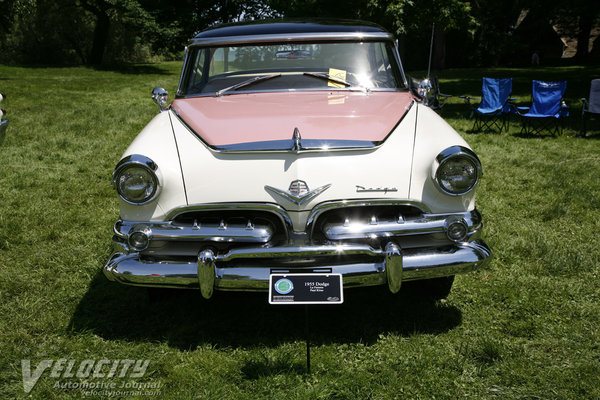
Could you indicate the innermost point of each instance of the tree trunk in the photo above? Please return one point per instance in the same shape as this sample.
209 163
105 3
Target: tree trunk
100 38
583 36
439 51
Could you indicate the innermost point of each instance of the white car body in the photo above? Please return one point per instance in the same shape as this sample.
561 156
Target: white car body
243 183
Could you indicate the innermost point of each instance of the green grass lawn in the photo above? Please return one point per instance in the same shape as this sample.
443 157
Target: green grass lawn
528 326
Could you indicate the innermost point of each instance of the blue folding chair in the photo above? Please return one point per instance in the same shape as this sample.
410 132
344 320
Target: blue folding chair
547 110
591 105
494 108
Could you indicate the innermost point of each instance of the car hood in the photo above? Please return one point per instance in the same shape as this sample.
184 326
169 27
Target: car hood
212 176
270 117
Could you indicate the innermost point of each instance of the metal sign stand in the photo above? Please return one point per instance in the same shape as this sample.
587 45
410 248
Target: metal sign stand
306 289
307 334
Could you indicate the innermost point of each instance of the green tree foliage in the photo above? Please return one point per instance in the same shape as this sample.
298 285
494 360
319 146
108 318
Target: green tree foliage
477 32
405 18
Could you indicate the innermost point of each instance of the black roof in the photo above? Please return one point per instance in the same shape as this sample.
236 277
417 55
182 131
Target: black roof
274 27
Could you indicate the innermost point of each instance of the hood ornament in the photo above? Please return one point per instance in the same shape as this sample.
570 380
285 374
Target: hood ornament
298 192
297 139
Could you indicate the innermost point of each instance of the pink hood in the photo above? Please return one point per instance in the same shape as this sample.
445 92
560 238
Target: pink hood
257 117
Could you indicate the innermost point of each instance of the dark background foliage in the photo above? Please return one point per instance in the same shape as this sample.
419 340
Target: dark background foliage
475 33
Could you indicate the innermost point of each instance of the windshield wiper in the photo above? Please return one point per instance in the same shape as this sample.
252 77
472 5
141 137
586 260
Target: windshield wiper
331 78
247 82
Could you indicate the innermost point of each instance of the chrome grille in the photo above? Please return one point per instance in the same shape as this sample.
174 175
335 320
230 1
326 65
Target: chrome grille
231 226
372 223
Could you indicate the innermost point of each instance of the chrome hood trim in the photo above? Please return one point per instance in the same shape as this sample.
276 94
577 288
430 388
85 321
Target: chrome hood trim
289 146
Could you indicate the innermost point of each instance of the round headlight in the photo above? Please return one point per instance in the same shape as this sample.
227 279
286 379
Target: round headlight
458 171
135 179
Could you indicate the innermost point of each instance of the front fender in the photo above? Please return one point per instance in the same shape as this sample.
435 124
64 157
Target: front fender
158 142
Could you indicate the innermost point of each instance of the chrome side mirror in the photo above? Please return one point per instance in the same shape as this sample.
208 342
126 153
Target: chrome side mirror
424 89
159 95
421 89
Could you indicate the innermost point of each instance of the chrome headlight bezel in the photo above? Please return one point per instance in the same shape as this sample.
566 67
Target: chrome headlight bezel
137 161
456 153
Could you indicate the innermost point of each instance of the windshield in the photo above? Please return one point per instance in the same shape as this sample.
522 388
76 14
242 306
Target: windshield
292 66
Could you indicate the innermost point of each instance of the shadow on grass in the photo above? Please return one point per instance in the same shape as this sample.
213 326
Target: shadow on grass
279 364
127 69
134 69
185 320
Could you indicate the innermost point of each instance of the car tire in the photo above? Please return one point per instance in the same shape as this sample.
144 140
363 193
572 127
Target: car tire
435 288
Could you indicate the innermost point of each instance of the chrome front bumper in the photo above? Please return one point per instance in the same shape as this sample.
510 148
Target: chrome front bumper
248 269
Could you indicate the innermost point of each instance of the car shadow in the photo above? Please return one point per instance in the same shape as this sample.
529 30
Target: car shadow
184 320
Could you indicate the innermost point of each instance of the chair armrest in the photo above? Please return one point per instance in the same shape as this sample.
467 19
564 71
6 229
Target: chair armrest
468 99
445 95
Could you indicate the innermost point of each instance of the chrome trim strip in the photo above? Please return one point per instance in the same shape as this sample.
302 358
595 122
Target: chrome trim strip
416 264
184 70
291 37
300 251
399 60
289 145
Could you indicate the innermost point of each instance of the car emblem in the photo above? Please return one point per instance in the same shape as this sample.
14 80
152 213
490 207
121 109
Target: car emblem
298 192
298 188
284 286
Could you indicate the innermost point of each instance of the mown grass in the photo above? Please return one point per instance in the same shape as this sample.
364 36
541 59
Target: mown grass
528 326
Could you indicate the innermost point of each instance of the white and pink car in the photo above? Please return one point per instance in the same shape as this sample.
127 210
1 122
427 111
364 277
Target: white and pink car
295 148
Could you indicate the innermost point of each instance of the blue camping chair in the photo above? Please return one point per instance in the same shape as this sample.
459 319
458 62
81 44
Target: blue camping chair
547 110
494 108
591 105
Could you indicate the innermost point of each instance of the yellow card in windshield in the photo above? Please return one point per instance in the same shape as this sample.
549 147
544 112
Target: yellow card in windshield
337 73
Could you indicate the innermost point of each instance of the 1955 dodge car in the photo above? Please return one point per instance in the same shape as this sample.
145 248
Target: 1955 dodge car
295 147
